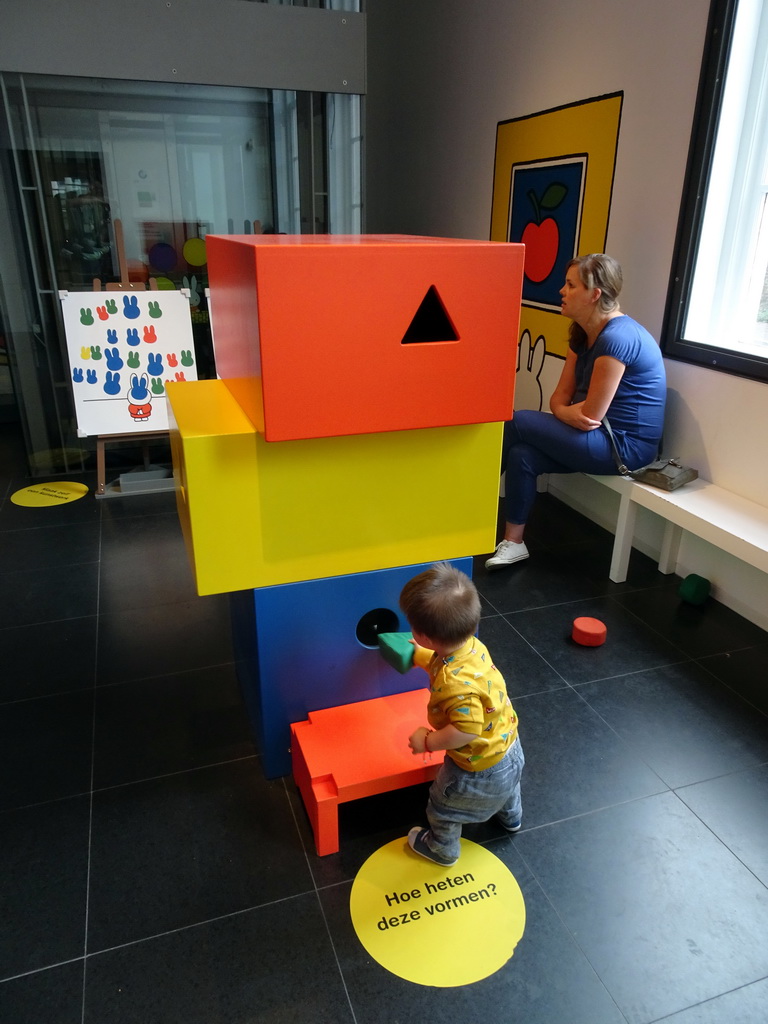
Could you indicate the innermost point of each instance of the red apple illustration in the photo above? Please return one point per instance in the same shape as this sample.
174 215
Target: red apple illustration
541 236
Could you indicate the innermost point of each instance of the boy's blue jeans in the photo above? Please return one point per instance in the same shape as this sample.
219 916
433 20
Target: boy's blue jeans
459 797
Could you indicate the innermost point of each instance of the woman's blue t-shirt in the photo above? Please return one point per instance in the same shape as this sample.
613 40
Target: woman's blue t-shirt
636 413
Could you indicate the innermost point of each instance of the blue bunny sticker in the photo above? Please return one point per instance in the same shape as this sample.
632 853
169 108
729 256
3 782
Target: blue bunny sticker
112 383
131 307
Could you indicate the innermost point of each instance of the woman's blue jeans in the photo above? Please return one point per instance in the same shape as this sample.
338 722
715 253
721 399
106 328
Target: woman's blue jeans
538 442
458 797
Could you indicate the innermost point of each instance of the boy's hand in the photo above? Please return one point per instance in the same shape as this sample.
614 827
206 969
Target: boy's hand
421 655
417 740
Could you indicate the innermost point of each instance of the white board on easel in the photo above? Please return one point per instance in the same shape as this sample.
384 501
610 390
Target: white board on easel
123 348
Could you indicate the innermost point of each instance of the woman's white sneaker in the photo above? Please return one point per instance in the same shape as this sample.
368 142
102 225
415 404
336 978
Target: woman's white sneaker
507 553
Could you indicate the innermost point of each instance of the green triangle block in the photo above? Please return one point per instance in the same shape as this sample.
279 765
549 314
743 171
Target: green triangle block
396 650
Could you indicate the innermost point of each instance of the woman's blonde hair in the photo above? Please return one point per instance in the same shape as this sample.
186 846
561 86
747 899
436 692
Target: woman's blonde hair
596 270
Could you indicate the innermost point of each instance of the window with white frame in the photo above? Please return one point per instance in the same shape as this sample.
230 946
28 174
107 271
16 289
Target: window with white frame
717 313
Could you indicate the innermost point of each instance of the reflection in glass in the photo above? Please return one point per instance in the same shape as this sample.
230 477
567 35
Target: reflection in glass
171 163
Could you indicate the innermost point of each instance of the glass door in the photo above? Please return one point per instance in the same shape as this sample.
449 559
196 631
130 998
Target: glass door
171 164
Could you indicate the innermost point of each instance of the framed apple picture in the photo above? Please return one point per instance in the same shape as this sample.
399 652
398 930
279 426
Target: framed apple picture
552 186
545 211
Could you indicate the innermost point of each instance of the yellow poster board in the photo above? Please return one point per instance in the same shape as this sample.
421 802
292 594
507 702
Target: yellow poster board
552 188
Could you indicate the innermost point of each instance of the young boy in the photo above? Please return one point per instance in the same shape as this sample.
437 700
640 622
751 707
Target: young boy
470 713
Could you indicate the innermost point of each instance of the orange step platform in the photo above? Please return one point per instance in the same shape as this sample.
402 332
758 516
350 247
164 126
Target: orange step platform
357 750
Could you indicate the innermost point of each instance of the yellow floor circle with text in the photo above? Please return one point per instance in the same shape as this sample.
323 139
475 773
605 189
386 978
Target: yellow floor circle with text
407 911
49 494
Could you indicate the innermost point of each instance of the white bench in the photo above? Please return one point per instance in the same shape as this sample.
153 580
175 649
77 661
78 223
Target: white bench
731 523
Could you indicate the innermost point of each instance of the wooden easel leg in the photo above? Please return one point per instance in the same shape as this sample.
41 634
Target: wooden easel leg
100 466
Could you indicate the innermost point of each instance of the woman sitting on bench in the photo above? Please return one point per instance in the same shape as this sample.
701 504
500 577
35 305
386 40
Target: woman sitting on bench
613 369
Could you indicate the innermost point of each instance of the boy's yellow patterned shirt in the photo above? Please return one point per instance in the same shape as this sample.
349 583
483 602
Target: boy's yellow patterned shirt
468 691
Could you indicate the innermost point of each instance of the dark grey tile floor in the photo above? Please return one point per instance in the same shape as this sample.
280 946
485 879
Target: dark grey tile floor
150 874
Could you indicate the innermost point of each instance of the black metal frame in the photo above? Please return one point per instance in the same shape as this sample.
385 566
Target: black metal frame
717 48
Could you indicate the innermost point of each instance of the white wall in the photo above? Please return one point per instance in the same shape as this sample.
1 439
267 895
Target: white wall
443 73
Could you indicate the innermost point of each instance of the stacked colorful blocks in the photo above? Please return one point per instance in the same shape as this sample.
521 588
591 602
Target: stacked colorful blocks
356 428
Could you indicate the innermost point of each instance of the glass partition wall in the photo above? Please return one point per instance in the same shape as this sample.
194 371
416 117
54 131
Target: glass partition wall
171 164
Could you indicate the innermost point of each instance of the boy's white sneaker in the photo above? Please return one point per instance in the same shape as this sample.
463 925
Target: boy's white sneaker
514 827
507 553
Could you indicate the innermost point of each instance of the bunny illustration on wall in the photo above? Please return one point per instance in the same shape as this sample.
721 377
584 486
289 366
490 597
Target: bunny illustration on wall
530 363
139 398
194 292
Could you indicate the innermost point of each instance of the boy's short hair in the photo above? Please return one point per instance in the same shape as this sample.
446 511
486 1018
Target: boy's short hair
442 603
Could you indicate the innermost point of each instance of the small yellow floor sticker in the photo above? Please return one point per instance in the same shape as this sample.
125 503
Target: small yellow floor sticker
49 494
405 908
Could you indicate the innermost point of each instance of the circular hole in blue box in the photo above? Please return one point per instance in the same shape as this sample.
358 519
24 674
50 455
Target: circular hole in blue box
379 620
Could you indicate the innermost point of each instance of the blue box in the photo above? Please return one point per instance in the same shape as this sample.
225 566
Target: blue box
302 647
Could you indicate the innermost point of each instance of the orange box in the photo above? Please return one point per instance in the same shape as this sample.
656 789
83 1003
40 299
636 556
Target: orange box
329 335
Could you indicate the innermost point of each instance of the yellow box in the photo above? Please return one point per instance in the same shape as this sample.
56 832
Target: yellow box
257 513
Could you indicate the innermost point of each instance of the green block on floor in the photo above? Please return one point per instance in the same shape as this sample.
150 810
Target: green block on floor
694 589
397 650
